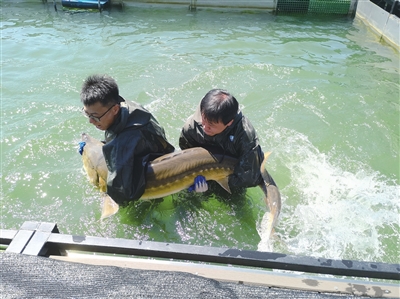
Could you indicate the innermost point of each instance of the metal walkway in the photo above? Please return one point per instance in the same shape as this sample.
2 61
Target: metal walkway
93 267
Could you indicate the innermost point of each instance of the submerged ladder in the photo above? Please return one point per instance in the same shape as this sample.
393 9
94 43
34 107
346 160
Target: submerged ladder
193 5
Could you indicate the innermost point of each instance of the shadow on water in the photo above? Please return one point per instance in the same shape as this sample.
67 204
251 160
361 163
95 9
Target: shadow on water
198 219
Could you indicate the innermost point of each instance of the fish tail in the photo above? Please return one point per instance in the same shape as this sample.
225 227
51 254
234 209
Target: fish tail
272 196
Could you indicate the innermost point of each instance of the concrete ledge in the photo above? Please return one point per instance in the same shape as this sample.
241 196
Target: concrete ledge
392 30
245 276
383 23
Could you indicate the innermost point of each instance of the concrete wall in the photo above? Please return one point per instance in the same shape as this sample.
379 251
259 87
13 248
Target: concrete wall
298 6
386 25
250 4
383 23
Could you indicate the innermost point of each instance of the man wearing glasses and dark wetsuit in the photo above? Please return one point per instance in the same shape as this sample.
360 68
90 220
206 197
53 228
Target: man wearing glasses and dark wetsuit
133 136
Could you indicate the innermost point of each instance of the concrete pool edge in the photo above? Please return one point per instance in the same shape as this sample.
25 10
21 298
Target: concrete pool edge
266 269
383 23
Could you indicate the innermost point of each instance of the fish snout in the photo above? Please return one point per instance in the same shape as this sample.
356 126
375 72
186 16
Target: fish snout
84 137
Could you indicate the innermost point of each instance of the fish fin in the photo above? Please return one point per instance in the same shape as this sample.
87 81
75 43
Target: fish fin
92 176
102 184
110 207
91 172
224 184
262 167
272 198
271 192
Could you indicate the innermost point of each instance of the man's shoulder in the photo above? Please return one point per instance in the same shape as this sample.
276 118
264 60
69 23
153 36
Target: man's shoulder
190 123
245 123
244 130
132 106
137 115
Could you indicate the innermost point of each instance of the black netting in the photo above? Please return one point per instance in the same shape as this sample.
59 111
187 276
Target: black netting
314 6
24 276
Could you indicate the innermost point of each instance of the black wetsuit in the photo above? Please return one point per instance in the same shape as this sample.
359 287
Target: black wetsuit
134 139
239 140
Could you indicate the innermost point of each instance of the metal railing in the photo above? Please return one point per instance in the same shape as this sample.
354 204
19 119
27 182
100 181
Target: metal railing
44 239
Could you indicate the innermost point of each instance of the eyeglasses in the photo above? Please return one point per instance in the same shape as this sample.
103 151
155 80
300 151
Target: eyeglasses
95 118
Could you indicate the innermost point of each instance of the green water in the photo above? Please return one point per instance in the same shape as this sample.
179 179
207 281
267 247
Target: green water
322 92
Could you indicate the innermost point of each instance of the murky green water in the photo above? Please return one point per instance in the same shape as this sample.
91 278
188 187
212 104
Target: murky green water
322 92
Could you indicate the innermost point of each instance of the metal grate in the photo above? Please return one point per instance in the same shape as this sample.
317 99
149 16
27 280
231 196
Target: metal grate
314 6
329 6
300 6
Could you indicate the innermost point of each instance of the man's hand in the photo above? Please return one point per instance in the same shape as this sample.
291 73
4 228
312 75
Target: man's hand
200 184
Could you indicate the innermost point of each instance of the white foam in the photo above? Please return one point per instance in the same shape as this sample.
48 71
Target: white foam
332 212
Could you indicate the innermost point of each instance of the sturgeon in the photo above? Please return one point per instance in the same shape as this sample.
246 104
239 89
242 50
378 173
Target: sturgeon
174 172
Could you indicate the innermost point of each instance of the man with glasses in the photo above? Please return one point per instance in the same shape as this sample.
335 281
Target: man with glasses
220 127
133 137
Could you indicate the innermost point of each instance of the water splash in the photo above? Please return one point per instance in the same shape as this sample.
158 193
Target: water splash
331 211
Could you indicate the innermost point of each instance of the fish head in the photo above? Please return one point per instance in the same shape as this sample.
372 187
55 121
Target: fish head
85 137
94 162
89 139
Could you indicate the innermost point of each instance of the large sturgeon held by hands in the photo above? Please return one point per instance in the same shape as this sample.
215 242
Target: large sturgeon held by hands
174 172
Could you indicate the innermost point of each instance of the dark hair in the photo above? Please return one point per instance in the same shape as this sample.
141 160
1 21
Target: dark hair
100 88
219 105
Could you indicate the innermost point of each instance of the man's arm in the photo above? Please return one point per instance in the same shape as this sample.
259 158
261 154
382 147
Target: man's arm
126 171
187 137
247 171
183 142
